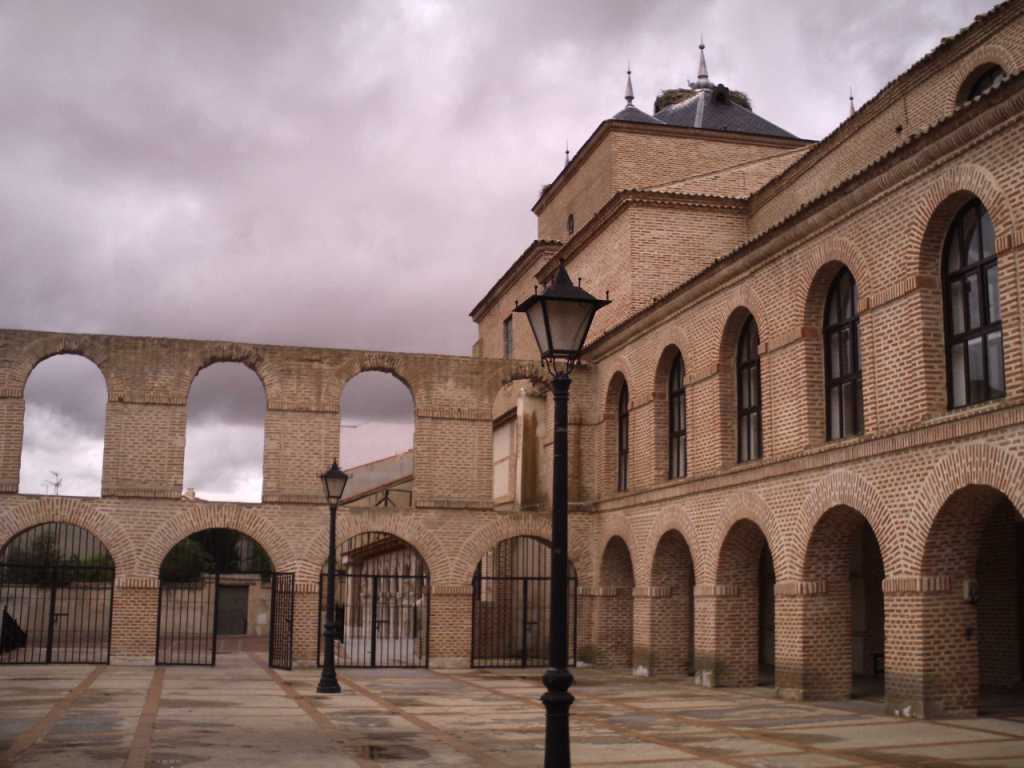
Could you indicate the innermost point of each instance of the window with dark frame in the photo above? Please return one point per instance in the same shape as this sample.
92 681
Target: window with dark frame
506 330
677 420
973 322
991 76
841 332
570 224
623 452
748 394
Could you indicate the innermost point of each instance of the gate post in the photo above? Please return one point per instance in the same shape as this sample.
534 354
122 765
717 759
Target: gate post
133 634
451 626
306 627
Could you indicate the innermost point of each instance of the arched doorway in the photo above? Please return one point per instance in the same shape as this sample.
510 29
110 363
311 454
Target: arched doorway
672 628
382 604
845 623
219 594
973 620
56 597
512 608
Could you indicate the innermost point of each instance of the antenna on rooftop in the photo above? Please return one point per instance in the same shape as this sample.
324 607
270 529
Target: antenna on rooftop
852 108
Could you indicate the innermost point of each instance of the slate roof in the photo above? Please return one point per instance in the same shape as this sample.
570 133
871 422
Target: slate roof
633 114
714 110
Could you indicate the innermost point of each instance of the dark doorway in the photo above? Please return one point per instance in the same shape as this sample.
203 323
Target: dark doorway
766 618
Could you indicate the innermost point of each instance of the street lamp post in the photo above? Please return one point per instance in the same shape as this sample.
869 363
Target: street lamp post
560 318
334 480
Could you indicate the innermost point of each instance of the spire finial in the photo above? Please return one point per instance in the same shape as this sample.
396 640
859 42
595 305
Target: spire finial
629 84
567 152
702 69
852 108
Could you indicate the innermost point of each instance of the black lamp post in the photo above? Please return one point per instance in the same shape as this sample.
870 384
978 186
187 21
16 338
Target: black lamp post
334 486
560 318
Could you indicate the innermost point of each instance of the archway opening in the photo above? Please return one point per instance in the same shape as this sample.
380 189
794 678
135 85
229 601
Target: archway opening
974 622
381 603
56 597
745 614
224 434
378 419
215 598
672 628
845 624
512 605
614 614
65 418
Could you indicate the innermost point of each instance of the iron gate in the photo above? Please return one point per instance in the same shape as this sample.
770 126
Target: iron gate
186 628
511 606
382 604
58 614
282 616
56 597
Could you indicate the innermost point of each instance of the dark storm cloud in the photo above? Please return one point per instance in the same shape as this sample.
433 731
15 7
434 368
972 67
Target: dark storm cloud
353 174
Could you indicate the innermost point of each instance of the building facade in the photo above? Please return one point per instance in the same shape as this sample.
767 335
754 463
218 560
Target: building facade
796 451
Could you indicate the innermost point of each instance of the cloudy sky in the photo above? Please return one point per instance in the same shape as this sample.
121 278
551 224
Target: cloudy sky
334 173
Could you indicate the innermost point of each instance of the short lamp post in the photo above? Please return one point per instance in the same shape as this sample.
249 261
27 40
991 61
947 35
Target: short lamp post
334 480
560 318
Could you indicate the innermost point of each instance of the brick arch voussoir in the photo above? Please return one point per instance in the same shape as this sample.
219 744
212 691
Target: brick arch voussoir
835 250
742 301
747 505
484 539
402 369
990 53
667 346
847 489
251 521
673 519
63 509
621 528
226 352
617 366
429 546
52 345
973 464
973 179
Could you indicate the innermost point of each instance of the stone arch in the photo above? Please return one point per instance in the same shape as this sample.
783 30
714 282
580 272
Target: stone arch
746 505
974 64
414 533
200 516
484 539
51 345
975 464
846 489
197 358
64 509
672 519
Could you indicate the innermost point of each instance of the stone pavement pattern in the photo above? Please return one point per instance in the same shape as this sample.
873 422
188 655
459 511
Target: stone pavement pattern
241 714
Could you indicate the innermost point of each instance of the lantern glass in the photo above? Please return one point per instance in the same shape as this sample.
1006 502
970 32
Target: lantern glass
334 480
568 322
539 326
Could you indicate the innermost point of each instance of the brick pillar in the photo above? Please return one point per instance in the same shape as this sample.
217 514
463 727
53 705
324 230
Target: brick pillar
12 422
813 640
586 607
662 630
726 635
931 655
305 625
144 449
613 626
133 628
451 626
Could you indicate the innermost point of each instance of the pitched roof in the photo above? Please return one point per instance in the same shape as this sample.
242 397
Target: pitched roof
712 109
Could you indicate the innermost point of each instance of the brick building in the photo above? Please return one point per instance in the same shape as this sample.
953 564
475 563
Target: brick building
796 450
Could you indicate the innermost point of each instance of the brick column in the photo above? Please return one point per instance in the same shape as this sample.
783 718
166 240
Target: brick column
144 449
931 647
813 640
133 628
661 630
12 422
613 626
726 635
306 624
451 626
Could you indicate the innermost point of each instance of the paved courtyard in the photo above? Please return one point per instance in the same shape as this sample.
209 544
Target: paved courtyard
243 715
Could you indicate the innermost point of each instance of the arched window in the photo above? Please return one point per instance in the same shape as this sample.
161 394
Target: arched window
974 335
748 394
570 224
842 359
623 479
676 420
985 80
